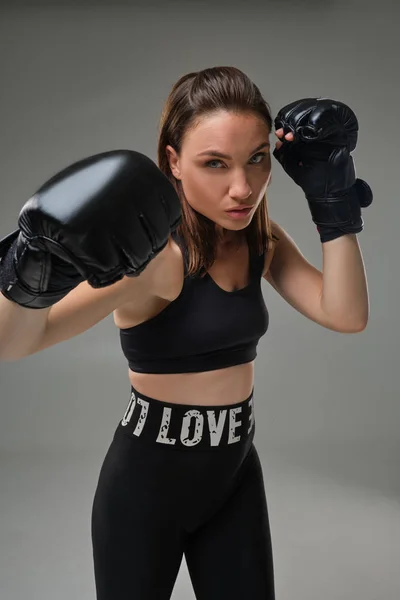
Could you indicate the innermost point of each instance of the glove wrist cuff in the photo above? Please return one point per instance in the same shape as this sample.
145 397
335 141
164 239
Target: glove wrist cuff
12 285
337 216
341 211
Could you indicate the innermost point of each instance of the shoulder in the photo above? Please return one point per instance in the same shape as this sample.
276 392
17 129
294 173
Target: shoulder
162 277
287 261
282 249
169 271
277 232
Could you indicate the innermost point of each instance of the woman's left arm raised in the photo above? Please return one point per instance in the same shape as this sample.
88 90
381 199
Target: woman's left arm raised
316 139
337 297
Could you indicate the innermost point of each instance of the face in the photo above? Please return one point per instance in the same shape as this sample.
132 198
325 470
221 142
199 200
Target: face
224 163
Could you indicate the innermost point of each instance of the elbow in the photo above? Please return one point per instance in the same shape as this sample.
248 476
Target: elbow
362 324
354 327
355 323
361 327
346 326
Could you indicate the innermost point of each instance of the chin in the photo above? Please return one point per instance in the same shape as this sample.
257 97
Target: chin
227 231
236 225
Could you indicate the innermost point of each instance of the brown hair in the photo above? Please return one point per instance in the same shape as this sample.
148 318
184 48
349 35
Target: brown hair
192 96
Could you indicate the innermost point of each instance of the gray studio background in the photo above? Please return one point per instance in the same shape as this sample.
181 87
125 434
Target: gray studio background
81 79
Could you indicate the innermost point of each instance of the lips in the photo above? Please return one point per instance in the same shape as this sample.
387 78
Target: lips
239 208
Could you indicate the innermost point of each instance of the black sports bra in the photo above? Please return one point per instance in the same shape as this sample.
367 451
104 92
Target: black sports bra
203 329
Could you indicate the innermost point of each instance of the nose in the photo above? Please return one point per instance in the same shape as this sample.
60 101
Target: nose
240 188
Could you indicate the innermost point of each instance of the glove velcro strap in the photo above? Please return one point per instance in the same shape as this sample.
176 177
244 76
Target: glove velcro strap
42 295
8 274
343 211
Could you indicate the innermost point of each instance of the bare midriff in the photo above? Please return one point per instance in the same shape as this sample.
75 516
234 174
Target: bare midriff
220 387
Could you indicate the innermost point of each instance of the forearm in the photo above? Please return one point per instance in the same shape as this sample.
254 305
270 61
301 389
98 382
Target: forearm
20 328
344 291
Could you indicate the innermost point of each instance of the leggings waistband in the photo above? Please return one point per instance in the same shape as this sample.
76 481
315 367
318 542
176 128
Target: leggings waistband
190 427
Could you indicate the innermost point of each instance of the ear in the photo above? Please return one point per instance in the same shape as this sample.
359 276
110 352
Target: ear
173 160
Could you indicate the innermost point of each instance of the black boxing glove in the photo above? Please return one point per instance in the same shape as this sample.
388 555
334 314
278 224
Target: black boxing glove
319 160
101 218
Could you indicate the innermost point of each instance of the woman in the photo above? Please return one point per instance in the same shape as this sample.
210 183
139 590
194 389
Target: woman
182 474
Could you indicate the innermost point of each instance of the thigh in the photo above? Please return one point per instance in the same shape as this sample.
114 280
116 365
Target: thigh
230 556
137 544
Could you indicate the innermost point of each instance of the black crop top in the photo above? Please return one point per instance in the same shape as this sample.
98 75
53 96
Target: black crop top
203 329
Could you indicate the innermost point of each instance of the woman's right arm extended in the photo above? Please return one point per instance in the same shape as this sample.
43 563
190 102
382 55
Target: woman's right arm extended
25 331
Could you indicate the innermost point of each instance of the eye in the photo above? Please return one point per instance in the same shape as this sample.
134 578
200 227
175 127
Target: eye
259 154
262 154
209 163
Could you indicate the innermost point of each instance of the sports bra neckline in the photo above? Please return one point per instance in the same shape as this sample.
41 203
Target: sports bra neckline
250 275
251 271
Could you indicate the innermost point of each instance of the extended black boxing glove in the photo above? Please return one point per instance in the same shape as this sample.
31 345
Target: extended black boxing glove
101 218
319 160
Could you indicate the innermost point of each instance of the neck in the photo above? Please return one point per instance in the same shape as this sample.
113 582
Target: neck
230 241
226 236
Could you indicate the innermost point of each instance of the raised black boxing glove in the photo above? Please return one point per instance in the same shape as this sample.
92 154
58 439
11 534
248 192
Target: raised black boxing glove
319 160
101 218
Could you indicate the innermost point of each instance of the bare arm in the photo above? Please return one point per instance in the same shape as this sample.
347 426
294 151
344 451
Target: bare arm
20 328
25 331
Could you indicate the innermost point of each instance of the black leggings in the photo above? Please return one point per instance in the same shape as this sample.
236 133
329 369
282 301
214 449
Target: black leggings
176 480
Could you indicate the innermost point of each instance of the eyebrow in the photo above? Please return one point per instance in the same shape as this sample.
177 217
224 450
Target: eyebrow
221 155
